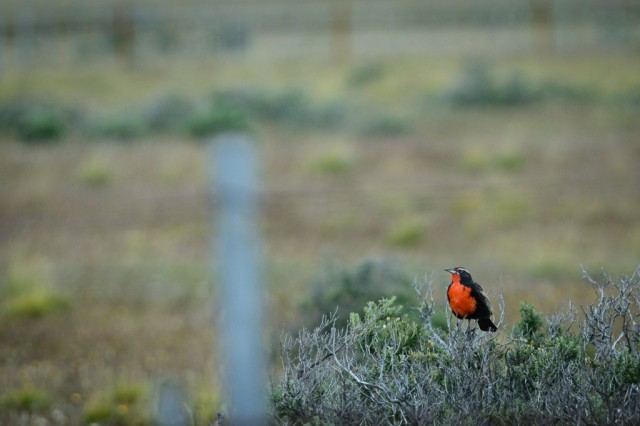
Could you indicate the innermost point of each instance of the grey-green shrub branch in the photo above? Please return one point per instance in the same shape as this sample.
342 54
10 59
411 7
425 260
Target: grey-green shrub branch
615 317
384 367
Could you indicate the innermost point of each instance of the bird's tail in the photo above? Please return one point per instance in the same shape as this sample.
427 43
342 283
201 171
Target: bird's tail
487 325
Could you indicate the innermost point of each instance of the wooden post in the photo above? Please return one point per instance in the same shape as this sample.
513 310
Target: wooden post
238 259
542 26
341 31
124 32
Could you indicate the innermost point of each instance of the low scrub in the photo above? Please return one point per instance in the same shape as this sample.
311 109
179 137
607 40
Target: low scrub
579 366
36 120
478 86
121 126
289 108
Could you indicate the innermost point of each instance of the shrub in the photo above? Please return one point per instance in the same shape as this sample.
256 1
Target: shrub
41 124
35 120
122 126
348 289
218 118
365 75
385 125
233 36
386 367
530 326
169 113
290 107
476 86
562 91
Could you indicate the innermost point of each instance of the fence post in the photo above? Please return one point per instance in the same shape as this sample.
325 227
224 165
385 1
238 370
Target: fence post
238 261
542 26
341 30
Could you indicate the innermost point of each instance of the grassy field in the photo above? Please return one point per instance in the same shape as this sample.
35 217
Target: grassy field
105 245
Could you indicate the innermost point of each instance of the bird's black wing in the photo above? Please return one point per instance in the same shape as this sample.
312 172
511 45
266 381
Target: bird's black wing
483 308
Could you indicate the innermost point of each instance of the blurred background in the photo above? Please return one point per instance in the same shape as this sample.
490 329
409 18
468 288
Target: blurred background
397 138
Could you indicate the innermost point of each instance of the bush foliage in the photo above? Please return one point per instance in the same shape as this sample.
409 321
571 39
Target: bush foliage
345 289
478 86
36 120
575 367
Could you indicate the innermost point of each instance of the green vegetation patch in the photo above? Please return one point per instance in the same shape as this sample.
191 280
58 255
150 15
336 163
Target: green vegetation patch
25 400
478 85
332 163
28 292
126 404
34 120
383 124
95 172
408 233
120 126
219 117
477 160
34 303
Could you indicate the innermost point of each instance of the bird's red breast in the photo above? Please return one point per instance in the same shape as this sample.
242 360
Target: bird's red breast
460 299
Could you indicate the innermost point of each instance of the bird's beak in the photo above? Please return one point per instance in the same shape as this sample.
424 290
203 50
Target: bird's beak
451 271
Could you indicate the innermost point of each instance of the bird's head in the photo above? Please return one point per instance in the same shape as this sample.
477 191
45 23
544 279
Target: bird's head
460 273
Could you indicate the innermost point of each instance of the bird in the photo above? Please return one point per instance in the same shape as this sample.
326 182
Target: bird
467 299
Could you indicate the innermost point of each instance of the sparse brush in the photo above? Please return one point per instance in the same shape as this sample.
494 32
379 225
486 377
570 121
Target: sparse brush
120 126
381 125
384 367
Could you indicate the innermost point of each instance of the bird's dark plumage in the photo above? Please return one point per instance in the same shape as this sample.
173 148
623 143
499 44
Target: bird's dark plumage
467 299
